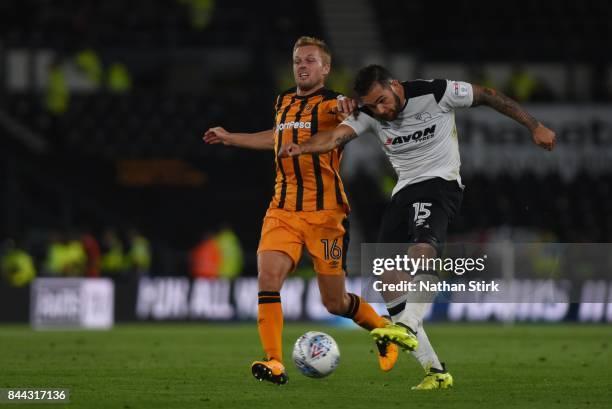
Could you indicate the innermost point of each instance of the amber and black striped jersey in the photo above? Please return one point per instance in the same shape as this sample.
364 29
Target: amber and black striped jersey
306 182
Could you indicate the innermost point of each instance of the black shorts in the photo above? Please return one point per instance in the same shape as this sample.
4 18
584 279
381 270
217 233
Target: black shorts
421 213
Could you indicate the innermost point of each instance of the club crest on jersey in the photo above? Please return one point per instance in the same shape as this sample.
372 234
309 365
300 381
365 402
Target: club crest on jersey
423 116
418 136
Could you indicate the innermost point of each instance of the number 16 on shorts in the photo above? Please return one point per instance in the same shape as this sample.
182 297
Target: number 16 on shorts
334 251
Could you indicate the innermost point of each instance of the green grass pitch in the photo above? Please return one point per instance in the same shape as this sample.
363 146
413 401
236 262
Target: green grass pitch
208 366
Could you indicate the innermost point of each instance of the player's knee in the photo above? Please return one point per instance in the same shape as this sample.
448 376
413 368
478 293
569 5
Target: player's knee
272 269
422 250
425 245
270 280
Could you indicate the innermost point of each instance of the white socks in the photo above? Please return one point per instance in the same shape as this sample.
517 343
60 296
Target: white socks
417 304
396 306
425 353
413 314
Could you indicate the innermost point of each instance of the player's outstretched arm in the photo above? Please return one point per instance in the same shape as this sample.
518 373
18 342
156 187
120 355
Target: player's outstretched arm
542 136
320 142
257 140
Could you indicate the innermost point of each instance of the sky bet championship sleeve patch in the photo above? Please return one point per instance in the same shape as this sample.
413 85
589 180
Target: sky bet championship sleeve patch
460 89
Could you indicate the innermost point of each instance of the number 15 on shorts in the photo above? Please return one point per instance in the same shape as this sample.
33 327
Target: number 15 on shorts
421 212
334 251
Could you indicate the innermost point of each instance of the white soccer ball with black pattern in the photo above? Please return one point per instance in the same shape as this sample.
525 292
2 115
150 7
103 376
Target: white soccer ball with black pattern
316 354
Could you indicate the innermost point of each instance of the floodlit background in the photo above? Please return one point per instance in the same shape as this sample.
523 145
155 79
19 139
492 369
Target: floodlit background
114 214
103 105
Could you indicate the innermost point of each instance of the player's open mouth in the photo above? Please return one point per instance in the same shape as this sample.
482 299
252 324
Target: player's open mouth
303 75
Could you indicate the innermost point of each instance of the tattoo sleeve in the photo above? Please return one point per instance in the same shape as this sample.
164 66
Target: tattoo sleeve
503 104
326 141
344 139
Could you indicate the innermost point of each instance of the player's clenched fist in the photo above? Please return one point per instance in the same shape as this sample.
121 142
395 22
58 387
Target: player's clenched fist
290 149
216 135
345 107
544 137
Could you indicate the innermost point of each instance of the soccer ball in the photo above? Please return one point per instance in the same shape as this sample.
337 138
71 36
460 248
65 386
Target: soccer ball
316 354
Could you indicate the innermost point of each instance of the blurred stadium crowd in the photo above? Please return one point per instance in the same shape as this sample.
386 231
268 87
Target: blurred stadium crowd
104 104
124 256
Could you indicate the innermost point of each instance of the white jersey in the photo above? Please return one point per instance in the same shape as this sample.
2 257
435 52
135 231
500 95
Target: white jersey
421 143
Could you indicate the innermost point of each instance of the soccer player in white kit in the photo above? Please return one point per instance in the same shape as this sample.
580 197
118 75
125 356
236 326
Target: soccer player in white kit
415 123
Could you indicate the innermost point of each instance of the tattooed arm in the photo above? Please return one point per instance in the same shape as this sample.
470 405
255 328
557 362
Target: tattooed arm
542 136
321 142
503 104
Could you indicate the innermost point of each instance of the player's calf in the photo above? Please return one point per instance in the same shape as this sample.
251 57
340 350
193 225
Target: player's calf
338 305
361 312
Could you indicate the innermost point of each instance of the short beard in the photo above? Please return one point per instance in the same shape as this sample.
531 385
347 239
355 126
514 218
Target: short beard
398 104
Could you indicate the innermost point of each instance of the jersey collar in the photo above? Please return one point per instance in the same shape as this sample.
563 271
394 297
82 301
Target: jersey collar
320 91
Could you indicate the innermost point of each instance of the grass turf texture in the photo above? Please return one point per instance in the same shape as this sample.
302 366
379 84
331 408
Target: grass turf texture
206 366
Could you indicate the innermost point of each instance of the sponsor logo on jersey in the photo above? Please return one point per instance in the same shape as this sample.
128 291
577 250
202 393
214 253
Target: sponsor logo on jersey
418 136
293 124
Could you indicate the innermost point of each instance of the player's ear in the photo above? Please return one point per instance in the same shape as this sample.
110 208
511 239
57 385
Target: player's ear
326 68
396 87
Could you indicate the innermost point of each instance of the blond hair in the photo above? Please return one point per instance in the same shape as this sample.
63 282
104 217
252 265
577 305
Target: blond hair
305 40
